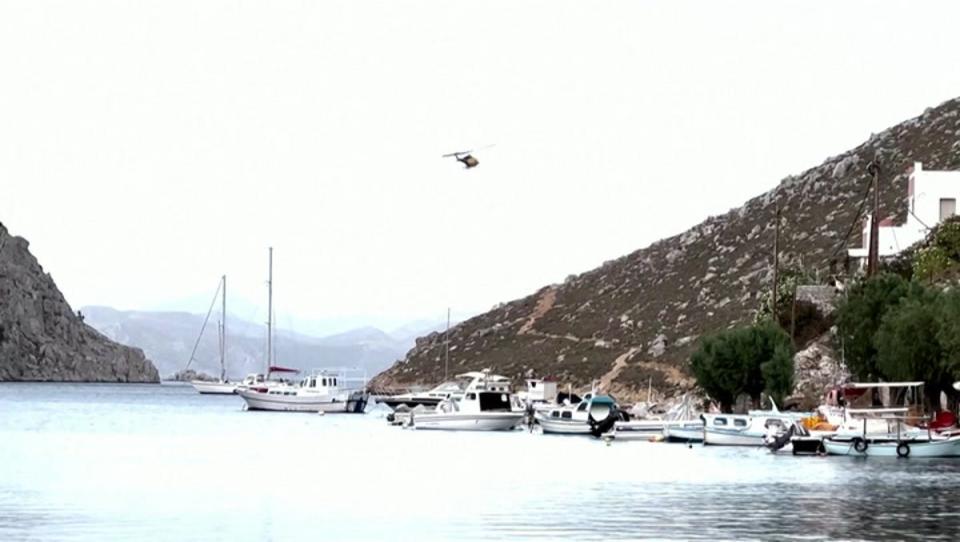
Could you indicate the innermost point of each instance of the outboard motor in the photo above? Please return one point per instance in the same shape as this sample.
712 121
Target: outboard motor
598 428
776 442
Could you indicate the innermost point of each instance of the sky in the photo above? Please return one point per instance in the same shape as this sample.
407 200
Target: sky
148 147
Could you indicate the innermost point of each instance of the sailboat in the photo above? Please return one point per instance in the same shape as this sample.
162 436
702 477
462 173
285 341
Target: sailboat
223 386
263 381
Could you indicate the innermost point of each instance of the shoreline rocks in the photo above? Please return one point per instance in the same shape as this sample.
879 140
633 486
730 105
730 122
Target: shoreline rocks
43 340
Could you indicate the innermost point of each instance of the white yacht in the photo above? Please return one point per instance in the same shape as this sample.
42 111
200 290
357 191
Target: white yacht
322 391
429 398
575 419
486 405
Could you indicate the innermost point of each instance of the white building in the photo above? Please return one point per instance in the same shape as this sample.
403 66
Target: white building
933 197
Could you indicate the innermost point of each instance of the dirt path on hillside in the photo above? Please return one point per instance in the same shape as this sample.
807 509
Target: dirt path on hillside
544 304
618 365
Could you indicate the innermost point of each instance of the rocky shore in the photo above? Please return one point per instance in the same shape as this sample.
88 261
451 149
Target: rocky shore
43 339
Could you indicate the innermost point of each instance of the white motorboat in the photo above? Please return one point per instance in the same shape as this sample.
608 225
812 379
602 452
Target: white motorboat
319 392
684 431
486 405
743 429
429 398
575 419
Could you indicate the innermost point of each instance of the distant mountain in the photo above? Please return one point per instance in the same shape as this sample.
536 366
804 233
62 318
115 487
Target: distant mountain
169 337
42 339
634 321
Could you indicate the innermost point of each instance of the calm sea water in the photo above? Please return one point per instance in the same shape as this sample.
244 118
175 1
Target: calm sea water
131 462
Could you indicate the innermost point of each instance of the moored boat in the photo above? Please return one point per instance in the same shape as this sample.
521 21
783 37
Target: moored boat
214 388
486 405
319 392
743 429
685 431
429 398
576 419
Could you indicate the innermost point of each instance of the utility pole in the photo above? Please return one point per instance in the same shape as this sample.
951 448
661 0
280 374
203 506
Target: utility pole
873 257
776 262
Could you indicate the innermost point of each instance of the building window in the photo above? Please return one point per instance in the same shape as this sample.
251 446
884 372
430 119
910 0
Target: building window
948 208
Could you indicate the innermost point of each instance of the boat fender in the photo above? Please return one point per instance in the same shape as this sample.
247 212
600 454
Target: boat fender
859 445
903 450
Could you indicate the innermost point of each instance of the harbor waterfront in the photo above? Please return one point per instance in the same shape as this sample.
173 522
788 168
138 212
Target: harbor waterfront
148 462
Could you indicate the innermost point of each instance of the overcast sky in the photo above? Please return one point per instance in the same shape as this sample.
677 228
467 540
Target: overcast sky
147 147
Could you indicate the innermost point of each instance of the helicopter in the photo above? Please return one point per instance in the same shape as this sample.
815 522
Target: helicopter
465 157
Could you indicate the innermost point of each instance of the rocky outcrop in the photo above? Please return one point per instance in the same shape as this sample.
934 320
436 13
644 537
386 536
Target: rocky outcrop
653 304
42 339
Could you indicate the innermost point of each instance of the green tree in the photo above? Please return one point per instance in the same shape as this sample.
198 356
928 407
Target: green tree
778 373
747 360
908 346
859 317
948 335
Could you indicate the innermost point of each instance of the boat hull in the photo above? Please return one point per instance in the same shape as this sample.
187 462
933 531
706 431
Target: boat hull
484 421
214 388
692 433
559 426
717 437
948 447
355 404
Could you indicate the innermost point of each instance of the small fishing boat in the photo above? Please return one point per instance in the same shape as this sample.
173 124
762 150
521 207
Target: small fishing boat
684 431
322 391
486 405
582 418
743 429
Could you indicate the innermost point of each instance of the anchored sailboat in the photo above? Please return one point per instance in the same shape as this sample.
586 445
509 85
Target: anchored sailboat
223 386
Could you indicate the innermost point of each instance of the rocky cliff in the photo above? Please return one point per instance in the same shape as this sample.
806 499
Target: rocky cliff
42 339
636 319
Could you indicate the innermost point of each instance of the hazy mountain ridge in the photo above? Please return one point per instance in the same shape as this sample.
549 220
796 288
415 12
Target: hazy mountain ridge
637 318
42 339
169 336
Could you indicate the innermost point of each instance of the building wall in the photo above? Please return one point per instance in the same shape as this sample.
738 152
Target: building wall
926 189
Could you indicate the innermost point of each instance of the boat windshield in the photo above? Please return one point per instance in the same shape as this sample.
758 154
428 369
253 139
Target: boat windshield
494 402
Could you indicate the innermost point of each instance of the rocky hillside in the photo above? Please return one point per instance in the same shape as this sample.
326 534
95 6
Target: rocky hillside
636 319
42 339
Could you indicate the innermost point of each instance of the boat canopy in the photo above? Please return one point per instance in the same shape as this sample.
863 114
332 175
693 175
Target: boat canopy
278 369
861 385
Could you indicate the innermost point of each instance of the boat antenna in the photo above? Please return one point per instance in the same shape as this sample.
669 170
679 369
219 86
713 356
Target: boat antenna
270 314
446 349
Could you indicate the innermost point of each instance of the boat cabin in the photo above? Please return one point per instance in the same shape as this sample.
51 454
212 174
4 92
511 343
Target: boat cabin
541 390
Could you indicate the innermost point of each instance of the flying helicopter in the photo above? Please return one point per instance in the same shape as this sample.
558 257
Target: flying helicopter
465 157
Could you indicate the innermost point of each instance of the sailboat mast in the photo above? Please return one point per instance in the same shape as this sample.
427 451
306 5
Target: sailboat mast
223 333
446 347
270 314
